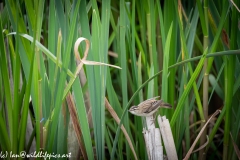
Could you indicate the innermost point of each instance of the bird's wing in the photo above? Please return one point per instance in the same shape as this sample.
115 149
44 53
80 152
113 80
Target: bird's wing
151 106
148 101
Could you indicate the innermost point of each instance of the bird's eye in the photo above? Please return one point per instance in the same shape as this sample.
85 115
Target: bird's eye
134 107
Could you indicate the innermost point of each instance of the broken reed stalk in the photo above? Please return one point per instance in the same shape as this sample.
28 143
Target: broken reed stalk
167 137
152 137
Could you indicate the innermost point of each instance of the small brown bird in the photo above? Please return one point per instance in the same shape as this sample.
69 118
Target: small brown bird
148 107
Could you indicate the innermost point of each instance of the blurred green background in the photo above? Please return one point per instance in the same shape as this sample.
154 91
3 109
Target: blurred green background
187 52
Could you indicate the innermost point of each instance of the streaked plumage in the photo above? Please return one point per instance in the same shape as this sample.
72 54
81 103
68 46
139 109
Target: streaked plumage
148 107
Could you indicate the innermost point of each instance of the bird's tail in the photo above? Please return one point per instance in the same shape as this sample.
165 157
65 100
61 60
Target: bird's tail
165 105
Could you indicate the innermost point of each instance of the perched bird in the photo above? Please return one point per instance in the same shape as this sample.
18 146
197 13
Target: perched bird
148 107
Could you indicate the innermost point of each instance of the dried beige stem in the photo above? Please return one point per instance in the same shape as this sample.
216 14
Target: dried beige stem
200 133
82 61
115 117
167 137
76 126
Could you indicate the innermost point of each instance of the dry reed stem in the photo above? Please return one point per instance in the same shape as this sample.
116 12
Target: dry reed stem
115 117
76 126
199 135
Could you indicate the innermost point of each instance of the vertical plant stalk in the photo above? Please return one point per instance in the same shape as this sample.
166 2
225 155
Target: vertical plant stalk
152 9
170 18
224 14
37 84
160 52
202 154
37 98
123 62
76 125
164 93
184 77
24 116
16 107
229 71
149 37
8 138
184 45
